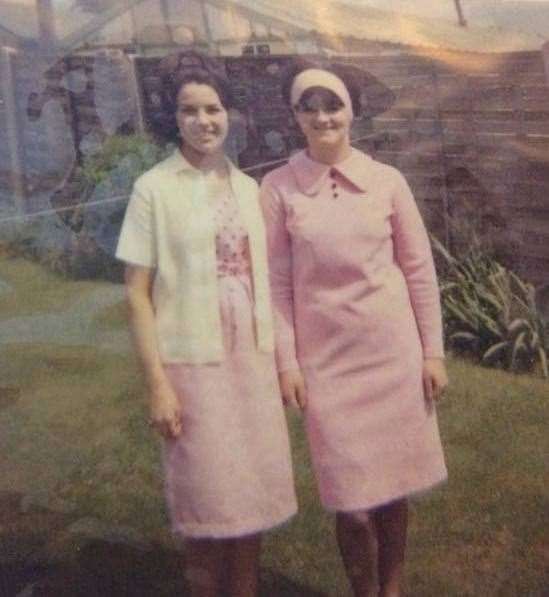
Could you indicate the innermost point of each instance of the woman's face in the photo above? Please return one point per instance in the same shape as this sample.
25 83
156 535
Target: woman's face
201 118
323 119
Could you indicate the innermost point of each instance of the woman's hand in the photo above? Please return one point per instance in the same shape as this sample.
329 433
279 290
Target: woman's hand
435 378
165 410
292 386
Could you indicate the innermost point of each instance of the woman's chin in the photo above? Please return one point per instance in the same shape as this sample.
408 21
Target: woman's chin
206 149
326 141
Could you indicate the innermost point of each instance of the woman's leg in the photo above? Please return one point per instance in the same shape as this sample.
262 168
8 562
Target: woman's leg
204 562
391 522
243 571
356 540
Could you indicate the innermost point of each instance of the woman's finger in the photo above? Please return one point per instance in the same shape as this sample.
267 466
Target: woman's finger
428 386
175 427
301 396
290 397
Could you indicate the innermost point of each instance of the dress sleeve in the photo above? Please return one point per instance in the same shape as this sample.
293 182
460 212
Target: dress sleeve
280 274
413 255
136 243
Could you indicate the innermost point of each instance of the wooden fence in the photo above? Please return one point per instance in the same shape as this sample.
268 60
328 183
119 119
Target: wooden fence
469 131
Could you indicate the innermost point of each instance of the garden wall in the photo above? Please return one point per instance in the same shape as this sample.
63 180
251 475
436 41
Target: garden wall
470 132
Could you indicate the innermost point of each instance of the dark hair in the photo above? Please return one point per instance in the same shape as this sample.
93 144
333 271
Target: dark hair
179 69
349 74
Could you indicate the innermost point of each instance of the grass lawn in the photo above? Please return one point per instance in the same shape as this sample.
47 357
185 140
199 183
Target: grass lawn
75 454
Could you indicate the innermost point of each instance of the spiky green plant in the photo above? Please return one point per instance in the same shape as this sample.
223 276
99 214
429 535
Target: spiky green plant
489 311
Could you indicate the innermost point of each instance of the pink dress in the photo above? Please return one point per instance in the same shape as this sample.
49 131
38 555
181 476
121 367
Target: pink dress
229 473
357 309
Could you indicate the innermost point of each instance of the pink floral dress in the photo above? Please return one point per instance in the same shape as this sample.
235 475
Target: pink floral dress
229 473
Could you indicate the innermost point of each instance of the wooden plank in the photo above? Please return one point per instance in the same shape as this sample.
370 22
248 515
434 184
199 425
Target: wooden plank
493 98
12 128
535 97
531 268
528 197
534 125
499 124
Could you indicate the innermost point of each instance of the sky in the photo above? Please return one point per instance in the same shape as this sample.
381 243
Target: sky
526 16
531 16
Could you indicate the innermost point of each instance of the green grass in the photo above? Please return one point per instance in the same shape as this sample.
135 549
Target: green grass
112 318
37 290
77 434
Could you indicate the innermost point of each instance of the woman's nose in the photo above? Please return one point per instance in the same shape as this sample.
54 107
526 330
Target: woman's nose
202 117
321 115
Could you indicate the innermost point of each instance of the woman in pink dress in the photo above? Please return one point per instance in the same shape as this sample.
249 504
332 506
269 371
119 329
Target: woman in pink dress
357 325
197 285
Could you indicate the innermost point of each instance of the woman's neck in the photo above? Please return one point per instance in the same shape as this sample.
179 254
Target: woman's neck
330 154
204 162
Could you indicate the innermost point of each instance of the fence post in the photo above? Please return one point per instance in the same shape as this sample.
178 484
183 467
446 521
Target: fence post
545 54
136 91
17 172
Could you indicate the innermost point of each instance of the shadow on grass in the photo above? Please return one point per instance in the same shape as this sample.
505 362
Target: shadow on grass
39 557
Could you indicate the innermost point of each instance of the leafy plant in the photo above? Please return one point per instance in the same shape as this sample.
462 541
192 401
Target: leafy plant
110 173
490 312
126 155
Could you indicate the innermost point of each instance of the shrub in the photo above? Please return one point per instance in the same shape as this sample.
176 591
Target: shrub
35 238
80 242
125 157
110 173
490 312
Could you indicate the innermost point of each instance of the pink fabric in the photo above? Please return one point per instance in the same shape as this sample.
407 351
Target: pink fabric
230 471
231 242
357 309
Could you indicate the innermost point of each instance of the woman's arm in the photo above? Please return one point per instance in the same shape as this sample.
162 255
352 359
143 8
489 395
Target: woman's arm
165 411
291 380
414 256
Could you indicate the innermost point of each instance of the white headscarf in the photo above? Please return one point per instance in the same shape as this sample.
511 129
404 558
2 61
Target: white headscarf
316 77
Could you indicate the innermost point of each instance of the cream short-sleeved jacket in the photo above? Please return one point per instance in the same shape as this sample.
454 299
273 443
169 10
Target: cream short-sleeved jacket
169 226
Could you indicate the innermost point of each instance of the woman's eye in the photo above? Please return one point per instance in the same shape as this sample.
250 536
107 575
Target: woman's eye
329 109
213 109
186 110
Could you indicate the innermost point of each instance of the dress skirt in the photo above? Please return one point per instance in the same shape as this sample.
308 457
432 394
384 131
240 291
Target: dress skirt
229 473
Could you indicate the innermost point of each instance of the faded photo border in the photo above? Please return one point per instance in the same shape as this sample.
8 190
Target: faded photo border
455 95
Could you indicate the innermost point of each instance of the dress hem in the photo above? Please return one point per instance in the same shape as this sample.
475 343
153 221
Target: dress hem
221 531
376 504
